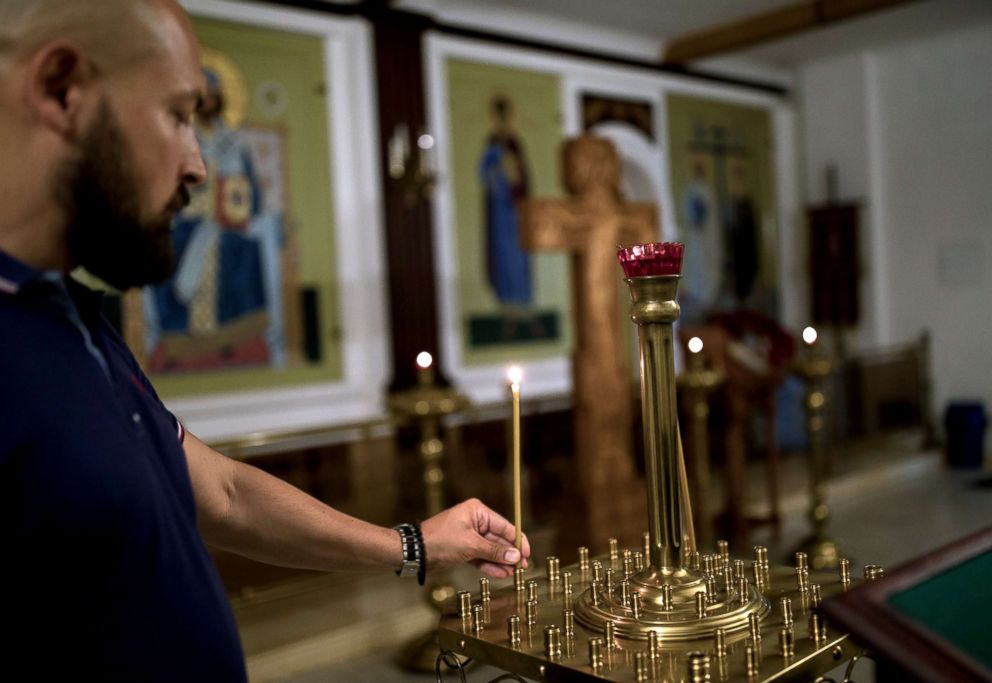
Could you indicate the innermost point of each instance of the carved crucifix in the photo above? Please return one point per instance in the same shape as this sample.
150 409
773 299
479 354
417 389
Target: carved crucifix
589 225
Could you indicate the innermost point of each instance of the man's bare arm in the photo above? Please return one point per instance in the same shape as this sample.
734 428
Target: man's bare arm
249 512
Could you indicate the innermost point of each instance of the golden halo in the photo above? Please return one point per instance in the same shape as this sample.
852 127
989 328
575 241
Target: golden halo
233 86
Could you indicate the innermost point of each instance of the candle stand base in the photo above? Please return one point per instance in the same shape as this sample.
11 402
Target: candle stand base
727 608
686 643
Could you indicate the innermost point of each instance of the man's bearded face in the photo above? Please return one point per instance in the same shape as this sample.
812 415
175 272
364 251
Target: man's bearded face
107 233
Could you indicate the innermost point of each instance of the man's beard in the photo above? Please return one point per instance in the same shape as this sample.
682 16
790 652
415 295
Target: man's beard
100 195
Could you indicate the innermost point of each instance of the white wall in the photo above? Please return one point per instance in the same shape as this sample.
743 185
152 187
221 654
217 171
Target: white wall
910 130
834 116
835 132
931 105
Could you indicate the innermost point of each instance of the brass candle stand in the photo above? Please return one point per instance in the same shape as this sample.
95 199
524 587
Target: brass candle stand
668 585
662 611
426 404
814 367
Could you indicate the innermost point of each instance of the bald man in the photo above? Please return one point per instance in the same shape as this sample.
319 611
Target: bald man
105 501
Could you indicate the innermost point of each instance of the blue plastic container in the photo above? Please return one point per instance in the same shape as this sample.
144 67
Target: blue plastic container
964 424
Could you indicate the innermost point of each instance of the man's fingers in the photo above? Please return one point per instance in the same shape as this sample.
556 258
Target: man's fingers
498 553
525 546
494 526
499 525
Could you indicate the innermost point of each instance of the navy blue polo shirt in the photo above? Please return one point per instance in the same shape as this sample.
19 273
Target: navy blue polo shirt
103 573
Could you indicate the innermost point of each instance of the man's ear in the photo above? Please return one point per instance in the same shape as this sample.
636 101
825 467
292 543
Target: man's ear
56 77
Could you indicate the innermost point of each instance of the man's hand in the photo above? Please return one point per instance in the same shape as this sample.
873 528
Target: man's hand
471 532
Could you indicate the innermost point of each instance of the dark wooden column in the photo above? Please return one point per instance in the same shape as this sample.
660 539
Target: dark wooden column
409 240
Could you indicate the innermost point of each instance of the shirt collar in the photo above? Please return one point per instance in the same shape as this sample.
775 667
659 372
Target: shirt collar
88 301
14 274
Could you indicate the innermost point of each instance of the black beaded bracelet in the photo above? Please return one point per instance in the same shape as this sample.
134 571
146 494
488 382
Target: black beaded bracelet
414 556
422 570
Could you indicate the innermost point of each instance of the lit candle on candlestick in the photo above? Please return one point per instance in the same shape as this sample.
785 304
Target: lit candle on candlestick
425 369
695 347
515 376
425 143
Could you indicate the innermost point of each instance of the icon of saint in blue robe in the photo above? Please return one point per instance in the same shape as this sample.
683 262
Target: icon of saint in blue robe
503 173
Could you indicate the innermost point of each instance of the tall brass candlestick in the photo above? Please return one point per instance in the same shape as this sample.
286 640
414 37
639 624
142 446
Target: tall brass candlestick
668 591
515 375
814 367
425 404
425 369
699 381
431 446
654 310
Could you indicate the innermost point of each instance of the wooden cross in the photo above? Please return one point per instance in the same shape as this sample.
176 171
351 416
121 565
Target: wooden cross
589 225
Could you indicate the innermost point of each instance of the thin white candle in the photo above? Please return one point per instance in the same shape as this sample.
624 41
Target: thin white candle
515 377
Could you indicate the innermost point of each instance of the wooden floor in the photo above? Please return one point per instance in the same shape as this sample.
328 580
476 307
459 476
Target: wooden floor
890 502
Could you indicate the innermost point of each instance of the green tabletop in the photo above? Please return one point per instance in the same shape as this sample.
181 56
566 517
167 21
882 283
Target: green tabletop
956 605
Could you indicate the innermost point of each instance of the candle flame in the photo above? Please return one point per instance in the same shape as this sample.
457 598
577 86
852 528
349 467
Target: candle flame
424 360
809 335
515 375
695 345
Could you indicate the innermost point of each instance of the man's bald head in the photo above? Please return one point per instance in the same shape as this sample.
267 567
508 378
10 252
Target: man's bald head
94 89
112 33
